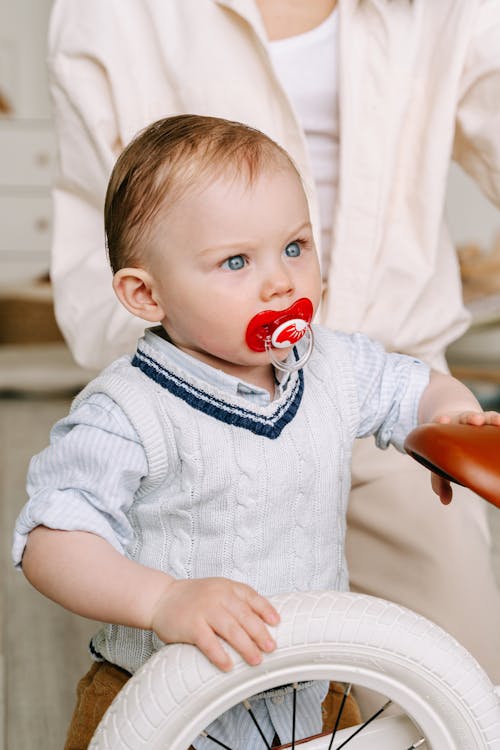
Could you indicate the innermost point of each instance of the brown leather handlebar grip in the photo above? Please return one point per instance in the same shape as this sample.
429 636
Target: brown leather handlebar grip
466 454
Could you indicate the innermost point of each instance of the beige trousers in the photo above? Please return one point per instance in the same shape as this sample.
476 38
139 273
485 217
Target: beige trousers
403 545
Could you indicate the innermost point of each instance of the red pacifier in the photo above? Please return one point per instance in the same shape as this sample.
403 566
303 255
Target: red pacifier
272 329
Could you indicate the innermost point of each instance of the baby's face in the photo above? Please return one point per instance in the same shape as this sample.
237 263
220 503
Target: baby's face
227 251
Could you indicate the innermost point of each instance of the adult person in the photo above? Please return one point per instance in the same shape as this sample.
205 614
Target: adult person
372 98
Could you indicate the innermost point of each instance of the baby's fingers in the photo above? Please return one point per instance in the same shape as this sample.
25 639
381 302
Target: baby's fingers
476 418
492 417
479 418
263 607
442 488
233 632
210 645
257 630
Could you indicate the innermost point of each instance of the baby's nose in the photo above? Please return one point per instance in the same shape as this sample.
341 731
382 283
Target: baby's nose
276 284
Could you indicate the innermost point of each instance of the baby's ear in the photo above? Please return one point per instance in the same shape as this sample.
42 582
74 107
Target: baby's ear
135 289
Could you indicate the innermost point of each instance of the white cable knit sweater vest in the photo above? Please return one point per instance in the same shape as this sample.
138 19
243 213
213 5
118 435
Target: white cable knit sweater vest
253 494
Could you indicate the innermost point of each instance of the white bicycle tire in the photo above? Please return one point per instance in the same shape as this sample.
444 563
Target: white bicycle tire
322 635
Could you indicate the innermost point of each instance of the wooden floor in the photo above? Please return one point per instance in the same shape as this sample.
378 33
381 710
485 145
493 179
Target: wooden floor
43 650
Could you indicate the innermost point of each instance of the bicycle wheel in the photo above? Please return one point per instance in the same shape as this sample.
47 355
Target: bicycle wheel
447 700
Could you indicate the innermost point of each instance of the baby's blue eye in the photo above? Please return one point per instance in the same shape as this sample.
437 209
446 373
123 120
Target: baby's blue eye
293 250
234 263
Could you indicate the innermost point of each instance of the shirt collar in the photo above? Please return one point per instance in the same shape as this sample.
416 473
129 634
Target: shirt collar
229 384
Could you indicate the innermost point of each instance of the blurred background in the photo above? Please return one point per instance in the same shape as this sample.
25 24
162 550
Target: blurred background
43 649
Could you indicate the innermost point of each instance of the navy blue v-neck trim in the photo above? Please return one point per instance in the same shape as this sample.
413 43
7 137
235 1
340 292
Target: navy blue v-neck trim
268 426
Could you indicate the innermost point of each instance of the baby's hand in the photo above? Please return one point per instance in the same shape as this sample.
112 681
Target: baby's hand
477 418
197 611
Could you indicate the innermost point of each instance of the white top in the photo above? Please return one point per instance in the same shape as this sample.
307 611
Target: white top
306 66
403 113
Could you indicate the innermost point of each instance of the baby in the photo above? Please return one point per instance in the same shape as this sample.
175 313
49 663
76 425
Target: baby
211 469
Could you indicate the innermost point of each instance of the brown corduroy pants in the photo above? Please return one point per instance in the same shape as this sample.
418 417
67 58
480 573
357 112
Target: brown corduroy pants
103 682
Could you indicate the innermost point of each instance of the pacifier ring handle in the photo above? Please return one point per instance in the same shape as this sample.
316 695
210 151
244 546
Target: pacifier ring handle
292 365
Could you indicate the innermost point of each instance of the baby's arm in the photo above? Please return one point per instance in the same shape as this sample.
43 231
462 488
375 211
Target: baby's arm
80 563
447 400
85 574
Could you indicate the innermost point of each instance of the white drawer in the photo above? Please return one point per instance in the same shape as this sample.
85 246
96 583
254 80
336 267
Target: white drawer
25 222
27 154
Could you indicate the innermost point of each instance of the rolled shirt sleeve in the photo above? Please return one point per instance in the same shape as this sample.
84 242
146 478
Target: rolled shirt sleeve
86 479
389 389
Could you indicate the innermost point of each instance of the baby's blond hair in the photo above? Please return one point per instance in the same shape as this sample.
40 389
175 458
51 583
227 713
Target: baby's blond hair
165 160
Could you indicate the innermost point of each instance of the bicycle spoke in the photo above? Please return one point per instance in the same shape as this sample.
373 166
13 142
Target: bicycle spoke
341 708
368 721
217 742
294 707
252 716
417 744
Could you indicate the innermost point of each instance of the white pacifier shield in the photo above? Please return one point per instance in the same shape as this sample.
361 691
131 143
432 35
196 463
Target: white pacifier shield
295 329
